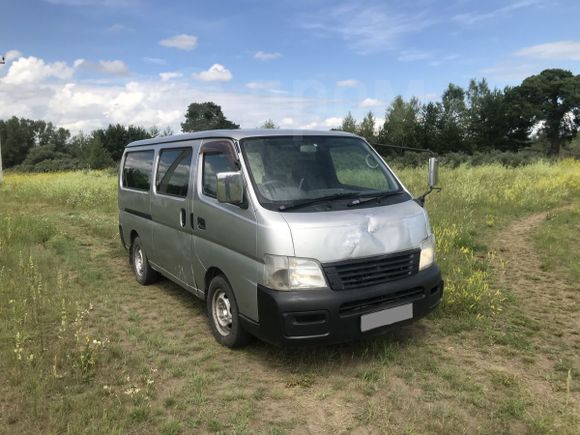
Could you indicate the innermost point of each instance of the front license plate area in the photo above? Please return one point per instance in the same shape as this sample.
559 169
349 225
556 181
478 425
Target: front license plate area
386 317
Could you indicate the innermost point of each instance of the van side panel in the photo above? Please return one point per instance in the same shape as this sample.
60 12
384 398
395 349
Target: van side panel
173 243
229 244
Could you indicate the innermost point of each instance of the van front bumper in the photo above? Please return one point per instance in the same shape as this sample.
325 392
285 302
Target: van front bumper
334 316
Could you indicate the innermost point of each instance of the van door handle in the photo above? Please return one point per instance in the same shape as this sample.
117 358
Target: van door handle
191 221
201 223
182 218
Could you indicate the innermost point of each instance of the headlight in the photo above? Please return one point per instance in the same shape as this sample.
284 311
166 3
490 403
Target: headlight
427 252
292 273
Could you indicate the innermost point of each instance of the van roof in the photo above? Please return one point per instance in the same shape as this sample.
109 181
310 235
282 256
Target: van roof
237 135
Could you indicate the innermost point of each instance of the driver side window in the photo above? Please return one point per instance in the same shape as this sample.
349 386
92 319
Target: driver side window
213 163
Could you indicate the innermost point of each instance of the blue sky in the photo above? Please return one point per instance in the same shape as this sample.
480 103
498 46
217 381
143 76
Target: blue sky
85 63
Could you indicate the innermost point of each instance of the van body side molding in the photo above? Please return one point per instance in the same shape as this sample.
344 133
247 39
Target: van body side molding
138 213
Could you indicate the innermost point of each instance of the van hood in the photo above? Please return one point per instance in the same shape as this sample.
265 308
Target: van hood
339 235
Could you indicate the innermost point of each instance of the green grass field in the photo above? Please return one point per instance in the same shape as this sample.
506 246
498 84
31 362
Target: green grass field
84 348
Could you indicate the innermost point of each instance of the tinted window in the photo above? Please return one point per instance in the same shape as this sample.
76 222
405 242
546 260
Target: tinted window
137 170
212 164
173 171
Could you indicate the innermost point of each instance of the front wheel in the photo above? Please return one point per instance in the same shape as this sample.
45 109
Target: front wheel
223 314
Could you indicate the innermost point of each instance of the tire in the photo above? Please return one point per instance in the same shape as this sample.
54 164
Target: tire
223 314
144 274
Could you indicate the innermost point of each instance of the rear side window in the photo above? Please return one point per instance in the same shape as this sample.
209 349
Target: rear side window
173 171
137 170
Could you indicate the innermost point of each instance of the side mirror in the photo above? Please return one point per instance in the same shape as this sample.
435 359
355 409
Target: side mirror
433 172
230 187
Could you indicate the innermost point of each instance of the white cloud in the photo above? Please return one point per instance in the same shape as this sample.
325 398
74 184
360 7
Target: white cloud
310 125
216 73
12 54
287 122
561 50
413 55
349 83
56 95
370 102
26 70
262 55
155 60
181 42
332 122
366 28
114 67
470 18
166 76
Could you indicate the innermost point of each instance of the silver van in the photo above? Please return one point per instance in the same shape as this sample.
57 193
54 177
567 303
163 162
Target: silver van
289 236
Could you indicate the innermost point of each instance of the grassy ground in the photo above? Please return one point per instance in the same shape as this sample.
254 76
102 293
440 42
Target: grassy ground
558 242
84 348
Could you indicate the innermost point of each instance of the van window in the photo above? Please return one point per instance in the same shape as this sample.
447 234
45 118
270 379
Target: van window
173 171
137 170
354 166
213 163
289 170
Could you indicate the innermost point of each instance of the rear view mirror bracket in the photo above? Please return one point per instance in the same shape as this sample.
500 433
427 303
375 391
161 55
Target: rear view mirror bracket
432 180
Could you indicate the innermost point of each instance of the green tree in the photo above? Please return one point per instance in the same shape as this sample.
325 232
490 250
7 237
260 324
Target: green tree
205 116
47 134
90 151
18 137
550 102
349 124
487 122
115 137
96 156
401 125
429 127
453 127
167 131
269 124
366 128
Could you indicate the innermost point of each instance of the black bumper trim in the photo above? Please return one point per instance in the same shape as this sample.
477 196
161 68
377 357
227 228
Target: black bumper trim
315 316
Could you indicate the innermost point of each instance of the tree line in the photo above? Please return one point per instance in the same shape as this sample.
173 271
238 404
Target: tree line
30 145
543 109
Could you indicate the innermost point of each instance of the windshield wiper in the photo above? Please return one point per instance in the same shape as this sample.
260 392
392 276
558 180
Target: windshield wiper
317 200
376 197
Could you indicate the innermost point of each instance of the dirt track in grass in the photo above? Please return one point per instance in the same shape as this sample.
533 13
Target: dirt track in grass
545 296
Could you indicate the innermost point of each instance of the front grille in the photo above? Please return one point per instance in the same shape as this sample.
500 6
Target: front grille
370 271
384 301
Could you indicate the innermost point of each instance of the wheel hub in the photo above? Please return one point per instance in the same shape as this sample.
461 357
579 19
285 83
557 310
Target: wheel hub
139 262
221 312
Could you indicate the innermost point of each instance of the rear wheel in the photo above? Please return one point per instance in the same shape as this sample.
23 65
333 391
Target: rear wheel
143 272
223 314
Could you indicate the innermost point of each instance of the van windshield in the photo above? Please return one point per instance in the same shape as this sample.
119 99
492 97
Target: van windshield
289 171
